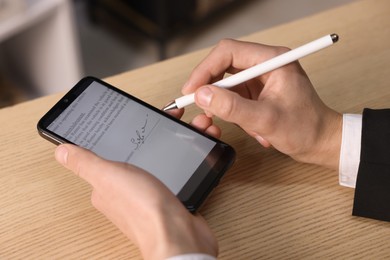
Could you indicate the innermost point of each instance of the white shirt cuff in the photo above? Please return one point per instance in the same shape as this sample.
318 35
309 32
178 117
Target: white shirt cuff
192 257
350 149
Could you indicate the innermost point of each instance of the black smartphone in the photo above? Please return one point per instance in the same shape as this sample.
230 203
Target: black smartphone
121 127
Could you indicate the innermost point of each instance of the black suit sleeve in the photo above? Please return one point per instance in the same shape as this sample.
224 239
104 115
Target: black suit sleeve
372 192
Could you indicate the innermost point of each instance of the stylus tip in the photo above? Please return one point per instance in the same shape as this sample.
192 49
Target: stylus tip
170 106
334 37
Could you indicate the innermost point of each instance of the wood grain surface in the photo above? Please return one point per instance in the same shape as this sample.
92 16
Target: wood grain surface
267 207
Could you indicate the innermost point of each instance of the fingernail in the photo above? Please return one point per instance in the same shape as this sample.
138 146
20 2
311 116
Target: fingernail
204 96
61 154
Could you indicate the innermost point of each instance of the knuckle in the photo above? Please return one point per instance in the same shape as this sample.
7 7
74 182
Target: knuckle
224 43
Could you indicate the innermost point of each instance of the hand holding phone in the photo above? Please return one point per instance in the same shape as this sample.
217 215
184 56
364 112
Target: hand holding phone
120 127
140 206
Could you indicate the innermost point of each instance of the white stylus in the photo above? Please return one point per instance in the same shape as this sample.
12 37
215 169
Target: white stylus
261 68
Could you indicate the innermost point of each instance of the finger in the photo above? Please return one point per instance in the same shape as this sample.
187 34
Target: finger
214 131
201 122
178 113
205 124
231 107
229 56
82 162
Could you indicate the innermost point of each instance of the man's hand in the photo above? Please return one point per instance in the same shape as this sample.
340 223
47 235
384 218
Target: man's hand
279 109
142 207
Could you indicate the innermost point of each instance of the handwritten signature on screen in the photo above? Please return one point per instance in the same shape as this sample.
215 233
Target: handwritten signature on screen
140 138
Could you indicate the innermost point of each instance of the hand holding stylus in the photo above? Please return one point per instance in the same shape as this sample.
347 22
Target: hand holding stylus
279 109
262 68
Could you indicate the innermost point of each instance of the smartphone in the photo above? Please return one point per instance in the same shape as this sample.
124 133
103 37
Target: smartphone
120 127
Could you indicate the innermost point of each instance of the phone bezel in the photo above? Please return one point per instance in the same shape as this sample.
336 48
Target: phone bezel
202 181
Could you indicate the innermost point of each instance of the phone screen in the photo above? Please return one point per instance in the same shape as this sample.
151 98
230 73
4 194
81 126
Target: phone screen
122 128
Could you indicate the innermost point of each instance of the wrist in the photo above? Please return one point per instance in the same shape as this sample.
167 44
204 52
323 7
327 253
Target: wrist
326 151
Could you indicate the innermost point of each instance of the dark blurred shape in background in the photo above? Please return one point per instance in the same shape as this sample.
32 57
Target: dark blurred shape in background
160 20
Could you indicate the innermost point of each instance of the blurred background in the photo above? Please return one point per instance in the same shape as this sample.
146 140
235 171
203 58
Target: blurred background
46 46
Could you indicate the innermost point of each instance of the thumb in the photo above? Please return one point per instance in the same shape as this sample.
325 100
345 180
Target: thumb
229 106
80 161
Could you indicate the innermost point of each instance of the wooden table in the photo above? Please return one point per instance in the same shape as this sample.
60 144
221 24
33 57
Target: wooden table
268 206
